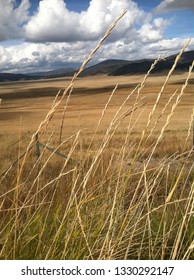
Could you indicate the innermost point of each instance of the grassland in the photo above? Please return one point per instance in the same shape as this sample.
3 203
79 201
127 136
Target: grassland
32 100
129 191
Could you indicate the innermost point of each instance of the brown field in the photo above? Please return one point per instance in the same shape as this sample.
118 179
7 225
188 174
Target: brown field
128 195
26 103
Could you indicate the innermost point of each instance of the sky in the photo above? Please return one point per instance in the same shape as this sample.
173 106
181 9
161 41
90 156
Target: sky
43 35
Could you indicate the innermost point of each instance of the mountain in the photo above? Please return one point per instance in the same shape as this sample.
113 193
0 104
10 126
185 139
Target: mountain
54 73
66 72
4 77
111 67
142 66
187 57
104 67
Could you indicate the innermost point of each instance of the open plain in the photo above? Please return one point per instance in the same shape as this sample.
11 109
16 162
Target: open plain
27 102
124 189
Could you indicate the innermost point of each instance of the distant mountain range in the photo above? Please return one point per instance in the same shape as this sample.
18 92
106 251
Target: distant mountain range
142 66
13 77
54 73
112 67
104 67
67 72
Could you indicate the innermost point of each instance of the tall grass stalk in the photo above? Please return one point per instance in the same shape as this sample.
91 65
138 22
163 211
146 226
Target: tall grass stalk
110 203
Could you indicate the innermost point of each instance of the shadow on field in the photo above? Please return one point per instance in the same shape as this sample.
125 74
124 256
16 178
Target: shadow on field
52 91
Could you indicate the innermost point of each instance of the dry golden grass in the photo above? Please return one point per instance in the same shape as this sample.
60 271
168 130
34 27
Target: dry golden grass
28 102
125 189
25 104
146 180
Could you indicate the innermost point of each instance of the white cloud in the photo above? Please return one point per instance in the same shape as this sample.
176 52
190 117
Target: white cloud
56 37
12 17
31 57
166 47
151 32
53 22
4 57
168 5
28 57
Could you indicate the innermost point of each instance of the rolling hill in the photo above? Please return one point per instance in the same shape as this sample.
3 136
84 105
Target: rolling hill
104 67
66 72
111 67
142 66
4 77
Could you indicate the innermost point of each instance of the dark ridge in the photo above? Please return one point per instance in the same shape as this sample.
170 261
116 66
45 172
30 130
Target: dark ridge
104 67
112 67
67 72
142 66
14 77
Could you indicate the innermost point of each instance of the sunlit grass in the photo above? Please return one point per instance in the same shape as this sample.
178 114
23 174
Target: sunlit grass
126 194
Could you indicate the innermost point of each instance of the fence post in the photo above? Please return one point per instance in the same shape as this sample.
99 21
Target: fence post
37 147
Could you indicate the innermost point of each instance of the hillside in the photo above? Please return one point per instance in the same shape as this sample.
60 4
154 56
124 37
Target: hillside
66 72
104 67
111 67
142 66
4 77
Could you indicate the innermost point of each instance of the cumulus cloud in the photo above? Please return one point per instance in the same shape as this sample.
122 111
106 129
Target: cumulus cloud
168 5
29 57
32 57
53 22
150 32
166 47
12 17
56 37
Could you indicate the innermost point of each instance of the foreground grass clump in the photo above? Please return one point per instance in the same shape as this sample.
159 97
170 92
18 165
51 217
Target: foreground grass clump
110 206
123 196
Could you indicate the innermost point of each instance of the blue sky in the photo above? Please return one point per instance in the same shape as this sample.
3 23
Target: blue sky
49 34
74 5
183 20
